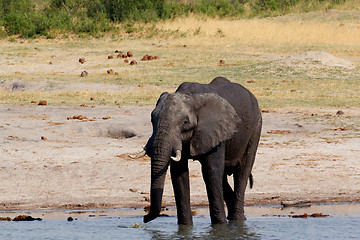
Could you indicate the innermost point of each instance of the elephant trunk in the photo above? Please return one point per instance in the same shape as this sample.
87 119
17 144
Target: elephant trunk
162 151
159 164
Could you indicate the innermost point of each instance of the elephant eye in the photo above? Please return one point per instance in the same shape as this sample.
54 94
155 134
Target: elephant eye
186 122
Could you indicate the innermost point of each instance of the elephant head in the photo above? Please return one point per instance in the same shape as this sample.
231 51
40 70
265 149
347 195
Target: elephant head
185 126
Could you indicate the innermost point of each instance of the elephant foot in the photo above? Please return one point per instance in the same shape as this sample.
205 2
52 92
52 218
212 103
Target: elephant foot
239 217
149 217
188 222
218 221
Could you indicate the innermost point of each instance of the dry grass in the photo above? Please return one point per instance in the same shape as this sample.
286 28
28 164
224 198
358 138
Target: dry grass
276 34
190 50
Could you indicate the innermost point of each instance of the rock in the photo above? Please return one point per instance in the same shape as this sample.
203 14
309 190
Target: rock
110 57
129 54
126 61
317 215
339 113
5 219
110 71
70 219
300 216
222 62
251 81
43 138
145 58
133 190
149 57
81 60
84 74
26 218
133 62
79 117
43 103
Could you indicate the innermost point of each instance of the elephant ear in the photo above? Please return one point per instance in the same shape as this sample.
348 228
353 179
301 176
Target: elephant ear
217 122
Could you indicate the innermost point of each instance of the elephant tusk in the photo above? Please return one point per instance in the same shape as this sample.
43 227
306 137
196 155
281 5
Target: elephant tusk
138 155
177 157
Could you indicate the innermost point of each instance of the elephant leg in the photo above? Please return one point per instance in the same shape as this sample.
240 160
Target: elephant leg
241 178
213 173
180 180
229 195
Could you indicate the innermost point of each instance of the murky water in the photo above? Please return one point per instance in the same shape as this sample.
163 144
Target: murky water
262 223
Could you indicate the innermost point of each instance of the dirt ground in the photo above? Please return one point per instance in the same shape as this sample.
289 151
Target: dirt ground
54 157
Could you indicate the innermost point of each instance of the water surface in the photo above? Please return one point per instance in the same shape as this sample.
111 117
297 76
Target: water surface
262 223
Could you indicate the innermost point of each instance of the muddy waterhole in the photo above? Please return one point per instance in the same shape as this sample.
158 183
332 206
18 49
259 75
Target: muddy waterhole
338 221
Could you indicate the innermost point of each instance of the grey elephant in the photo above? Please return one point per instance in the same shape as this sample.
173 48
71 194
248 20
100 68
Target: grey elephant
218 124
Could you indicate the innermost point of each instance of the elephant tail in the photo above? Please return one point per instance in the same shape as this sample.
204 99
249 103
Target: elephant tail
251 180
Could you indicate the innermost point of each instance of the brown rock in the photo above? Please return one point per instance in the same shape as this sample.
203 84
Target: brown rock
110 71
126 61
43 103
110 57
339 113
81 60
129 54
26 218
5 219
317 215
145 58
222 62
133 62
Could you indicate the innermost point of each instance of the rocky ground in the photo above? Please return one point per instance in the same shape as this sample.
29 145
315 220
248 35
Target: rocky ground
76 157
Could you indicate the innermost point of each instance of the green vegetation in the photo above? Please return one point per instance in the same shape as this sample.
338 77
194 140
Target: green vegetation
51 18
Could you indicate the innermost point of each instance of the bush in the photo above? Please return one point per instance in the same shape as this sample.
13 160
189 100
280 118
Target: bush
134 10
20 17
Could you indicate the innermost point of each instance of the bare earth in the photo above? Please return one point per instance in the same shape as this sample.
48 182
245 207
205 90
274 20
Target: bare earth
48 161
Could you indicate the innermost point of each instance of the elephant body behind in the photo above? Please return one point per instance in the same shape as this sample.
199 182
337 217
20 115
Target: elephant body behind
246 106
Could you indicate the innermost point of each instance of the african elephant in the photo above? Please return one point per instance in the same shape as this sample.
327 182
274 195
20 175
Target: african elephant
218 124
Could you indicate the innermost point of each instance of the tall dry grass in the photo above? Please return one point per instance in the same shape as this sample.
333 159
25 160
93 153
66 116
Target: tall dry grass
282 33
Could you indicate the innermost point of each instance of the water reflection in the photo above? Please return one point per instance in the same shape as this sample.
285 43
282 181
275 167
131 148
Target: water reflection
232 230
